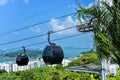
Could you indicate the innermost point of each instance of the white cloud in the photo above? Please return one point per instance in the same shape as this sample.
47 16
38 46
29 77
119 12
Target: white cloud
35 29
3 2
73 6
15 32
58 25
26 1
91 4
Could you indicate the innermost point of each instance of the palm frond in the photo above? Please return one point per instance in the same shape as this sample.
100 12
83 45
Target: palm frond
106 28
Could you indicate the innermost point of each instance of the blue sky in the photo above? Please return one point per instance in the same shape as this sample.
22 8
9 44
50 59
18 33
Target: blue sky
15 14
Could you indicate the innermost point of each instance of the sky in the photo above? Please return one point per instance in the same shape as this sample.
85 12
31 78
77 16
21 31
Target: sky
15 14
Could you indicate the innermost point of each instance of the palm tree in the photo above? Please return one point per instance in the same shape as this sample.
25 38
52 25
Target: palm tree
105 21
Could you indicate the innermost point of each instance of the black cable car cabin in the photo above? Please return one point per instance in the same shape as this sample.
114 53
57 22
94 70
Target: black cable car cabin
22 59
52 54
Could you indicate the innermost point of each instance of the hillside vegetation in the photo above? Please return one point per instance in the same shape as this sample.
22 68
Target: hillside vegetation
46 73
55 73
59 72
88 58
30 53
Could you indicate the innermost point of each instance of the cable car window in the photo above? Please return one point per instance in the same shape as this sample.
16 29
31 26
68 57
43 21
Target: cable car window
57 53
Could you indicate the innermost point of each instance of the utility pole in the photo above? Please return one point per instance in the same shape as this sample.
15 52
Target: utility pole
102 61
86 28
103 69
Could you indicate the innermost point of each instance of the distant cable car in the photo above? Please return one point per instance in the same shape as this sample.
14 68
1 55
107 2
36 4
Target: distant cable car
52 54
22 58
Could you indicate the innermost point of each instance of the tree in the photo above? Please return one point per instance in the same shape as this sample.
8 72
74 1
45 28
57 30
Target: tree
88 58
3 71
104 20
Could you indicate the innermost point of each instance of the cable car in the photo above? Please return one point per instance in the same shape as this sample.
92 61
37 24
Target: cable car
22 58
52 54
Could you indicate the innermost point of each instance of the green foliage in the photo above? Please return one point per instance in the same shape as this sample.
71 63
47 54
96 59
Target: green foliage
56 73
3 71
59 67
55 76
7 76
45 73
105 20
104 45
89 58
27 75
117 77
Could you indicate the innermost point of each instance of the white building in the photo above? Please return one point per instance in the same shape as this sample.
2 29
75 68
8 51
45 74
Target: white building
13 67
109 68
113 69
65 62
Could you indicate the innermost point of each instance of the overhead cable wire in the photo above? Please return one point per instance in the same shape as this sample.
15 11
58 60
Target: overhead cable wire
35 36
22 39
54 40
82 30
45 42
38 14
33 25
